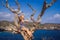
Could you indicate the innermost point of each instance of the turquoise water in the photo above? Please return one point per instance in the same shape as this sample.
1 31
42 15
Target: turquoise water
38 35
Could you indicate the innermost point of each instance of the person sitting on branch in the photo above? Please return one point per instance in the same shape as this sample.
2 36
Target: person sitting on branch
22 25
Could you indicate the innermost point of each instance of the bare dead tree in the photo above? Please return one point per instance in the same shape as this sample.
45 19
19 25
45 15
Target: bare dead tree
16 12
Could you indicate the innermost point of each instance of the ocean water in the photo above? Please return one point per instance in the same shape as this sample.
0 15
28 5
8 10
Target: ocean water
38 35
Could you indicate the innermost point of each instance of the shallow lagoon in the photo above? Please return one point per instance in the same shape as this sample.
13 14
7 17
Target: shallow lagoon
38 35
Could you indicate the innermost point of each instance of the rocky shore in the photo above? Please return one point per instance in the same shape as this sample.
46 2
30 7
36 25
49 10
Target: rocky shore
5 25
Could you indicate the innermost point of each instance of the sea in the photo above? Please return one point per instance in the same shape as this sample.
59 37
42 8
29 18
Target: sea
38 35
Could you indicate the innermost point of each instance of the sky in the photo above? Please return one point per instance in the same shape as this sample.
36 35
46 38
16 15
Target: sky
51 15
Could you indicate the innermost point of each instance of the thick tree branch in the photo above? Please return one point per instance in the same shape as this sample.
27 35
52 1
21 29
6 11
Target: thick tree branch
45 6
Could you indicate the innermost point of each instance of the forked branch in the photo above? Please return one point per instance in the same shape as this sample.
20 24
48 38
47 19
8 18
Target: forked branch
45 6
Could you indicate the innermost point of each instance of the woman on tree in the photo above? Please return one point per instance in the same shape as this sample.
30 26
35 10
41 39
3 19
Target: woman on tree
22 25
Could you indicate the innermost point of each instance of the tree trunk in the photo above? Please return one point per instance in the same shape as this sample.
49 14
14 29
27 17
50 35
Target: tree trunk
27 33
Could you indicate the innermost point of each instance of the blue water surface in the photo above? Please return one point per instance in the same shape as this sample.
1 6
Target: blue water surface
47 34
38 35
